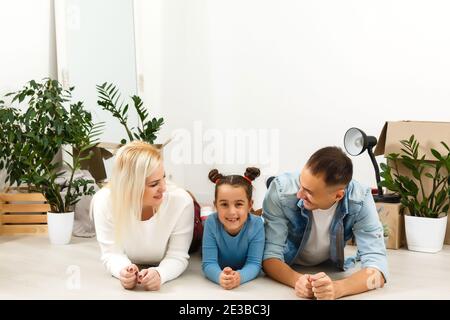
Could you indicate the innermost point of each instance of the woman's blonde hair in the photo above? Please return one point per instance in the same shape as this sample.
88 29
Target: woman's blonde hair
134 162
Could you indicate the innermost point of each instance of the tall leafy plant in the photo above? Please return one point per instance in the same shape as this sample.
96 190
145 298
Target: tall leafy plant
110 100
36 134
33 133
411 189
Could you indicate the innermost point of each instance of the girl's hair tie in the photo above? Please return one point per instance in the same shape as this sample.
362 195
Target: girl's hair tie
248 179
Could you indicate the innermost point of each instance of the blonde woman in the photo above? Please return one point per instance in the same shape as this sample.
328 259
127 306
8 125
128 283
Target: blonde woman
139 221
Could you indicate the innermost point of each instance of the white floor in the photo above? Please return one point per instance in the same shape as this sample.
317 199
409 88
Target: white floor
31 268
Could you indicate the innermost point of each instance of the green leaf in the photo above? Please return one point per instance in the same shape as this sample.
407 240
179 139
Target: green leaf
416 174
407 152
384 167
124 111
440 198
393 156
445 209
436 154
429 175
445 145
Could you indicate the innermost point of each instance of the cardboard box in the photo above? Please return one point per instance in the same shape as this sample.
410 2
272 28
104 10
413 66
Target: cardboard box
428 134
95 164
391 215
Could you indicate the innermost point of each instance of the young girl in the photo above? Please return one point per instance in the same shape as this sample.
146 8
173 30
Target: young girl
233 239
140 221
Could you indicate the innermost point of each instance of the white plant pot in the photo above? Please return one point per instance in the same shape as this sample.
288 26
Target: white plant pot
425 234
60 227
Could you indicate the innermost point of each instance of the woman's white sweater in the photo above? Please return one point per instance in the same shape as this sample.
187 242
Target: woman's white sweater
163 240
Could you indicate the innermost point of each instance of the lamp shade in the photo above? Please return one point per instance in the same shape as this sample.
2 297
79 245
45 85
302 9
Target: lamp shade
355 141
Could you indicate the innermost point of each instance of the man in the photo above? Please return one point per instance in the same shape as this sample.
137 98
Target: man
308 220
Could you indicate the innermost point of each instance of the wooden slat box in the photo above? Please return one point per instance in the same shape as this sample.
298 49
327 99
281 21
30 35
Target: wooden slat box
23 213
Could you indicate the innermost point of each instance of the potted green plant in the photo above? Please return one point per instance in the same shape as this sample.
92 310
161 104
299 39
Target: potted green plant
110 100
426 218
34 137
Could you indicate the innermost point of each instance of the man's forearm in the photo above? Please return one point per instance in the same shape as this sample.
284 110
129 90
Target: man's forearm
280 271
361 281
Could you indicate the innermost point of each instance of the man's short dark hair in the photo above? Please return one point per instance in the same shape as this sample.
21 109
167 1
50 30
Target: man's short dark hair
331 162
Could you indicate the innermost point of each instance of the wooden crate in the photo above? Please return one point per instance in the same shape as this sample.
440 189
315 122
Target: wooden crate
22 213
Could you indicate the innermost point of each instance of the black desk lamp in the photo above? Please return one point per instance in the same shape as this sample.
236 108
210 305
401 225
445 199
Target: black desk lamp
356 142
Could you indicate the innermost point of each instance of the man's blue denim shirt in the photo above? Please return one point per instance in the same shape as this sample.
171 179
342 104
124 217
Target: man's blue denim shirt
288 225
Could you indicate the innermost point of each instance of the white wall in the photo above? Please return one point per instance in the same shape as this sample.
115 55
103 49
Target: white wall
27 49
172 48
310 69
